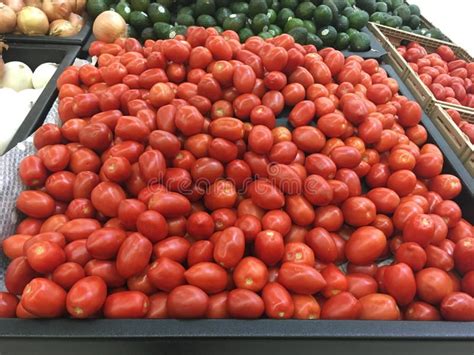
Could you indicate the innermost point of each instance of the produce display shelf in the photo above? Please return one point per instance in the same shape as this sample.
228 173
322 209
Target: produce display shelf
236 336
78 40
34 55
391 38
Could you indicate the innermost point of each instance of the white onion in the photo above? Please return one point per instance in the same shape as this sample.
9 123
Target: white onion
7 19
56 9
32 21
62 28
109 26
43 74
14 110
17 76
30 96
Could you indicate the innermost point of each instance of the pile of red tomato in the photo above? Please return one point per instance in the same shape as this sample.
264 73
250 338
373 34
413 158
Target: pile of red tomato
450 79
169 192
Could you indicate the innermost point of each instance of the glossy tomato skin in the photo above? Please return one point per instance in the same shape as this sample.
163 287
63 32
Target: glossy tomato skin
433 285
278 301
244 304
126 304
67 274
342 306
187 301
269 247
18 274
378 306
44 298
35 204
365 245
8 305
300 278
86 297
208 276
422 311
251 273
230 247
458 306
133 255
400 283
45 256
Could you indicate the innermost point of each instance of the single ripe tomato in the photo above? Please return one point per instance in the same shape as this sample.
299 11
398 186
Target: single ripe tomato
86 297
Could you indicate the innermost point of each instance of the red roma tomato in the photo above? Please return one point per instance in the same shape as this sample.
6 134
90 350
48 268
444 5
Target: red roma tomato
336 281
250 226
244 79
133 255
277 220
104 243
332 125
409 114
47 134
44 298
251 274
45 256
126 304
229 248
32 171
399 282
275 59
321 165
228 128
166 274
449 211
421 311
35 204
18 274
265 195
412 255
152 166
359 211
342 306
439 258
275 80
322 244
200 251
13 245
244 304
458 306
8 305
278 301
293 93
157 309
86 297
379 94
208 276
131 128
67 274
29 226
302 113
464 255
448 186
169 204
106 198
309 139
420 229
402 182
106 270
298 252
433 285
365 245
269 247
161 94
187 301
385 200
361 285
175 248
300 278
200 225
378 306
306 307
346 157
260 139
300 210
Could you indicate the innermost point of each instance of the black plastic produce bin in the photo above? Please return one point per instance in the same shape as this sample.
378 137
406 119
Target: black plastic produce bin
264 336
34 55
77 40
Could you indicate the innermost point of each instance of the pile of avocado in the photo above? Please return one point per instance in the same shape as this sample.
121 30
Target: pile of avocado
398 14
324 23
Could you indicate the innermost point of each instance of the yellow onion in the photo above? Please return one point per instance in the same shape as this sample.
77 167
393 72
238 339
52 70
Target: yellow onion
34 3
32 21
76 20
109 26
62 28
56 9
7 19
15 5
78 6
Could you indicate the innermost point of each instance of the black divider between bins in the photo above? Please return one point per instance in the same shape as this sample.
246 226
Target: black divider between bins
34 55
77 40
